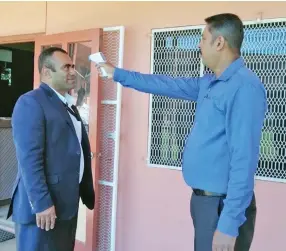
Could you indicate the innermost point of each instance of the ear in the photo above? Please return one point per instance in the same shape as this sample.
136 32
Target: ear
46 72
220 43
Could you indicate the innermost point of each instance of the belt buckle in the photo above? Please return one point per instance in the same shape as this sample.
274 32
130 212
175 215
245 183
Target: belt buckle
200 192
206 193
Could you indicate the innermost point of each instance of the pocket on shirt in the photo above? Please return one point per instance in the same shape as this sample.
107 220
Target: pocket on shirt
211 113
217 103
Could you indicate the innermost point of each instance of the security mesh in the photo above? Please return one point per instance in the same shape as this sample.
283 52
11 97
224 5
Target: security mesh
175 53
107 120
110 42
107 146
264 51
104 222
8 163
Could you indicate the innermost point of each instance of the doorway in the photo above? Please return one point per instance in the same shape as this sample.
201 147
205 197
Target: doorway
16 78
96 228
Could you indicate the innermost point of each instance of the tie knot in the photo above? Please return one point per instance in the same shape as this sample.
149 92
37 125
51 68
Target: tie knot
73 110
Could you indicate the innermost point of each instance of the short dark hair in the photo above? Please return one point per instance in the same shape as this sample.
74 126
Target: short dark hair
229 26
45 55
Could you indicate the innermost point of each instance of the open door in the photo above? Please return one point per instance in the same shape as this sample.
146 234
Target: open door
96 229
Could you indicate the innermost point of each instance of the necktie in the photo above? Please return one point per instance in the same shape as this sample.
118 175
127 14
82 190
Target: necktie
73 110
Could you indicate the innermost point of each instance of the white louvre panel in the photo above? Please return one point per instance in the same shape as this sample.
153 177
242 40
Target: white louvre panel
109 142
175 53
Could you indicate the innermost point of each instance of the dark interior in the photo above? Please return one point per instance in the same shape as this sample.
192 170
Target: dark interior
16 74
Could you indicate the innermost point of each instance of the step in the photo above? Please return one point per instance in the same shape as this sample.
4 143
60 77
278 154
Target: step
7 225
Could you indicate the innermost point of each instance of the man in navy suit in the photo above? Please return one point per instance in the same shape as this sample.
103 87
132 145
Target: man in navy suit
54 160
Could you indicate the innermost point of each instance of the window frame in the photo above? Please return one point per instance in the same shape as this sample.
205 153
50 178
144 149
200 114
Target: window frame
192 27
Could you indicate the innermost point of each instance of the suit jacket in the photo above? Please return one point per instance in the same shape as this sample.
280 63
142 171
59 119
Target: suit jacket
48 154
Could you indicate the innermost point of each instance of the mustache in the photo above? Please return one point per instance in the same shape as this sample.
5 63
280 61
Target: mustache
71 76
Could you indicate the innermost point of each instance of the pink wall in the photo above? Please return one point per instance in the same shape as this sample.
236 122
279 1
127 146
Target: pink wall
153 204
271 219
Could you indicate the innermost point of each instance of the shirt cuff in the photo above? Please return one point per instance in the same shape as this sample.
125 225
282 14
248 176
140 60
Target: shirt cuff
120 75
228 226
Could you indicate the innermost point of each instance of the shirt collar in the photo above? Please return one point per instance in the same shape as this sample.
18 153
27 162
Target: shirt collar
231 69
66 99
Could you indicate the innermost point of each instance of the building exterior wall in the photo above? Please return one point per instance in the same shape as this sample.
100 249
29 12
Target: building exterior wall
153 204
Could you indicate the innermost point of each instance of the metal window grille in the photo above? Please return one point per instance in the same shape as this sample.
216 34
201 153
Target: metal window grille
175 53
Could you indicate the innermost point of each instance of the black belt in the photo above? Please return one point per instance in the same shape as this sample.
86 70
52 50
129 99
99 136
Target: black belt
200 192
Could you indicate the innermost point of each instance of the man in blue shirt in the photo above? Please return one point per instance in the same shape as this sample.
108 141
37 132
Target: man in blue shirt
222 151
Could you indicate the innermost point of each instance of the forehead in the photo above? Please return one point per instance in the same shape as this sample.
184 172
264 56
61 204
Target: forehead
61 58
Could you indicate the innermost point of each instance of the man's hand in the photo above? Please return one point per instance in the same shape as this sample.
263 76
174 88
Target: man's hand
47 219
109 69
223 242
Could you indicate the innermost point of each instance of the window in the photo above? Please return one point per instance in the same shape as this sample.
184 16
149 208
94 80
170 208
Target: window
175 53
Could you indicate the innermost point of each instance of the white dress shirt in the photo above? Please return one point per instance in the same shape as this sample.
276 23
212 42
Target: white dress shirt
69 100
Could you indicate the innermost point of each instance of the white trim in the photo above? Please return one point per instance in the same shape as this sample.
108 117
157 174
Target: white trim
270 179
202 65
149 129
106 183
264 21
117 144
202 26
165 167
178 28
7 225
115 28
150 103
109 102
7 229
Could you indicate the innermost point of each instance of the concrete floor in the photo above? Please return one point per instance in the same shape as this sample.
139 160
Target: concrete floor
5 224
3 211
8 245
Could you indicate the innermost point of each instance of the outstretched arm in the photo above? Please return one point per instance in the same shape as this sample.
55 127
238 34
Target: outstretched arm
180 88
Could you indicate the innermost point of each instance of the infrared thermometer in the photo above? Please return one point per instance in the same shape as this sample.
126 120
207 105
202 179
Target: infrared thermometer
97 58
